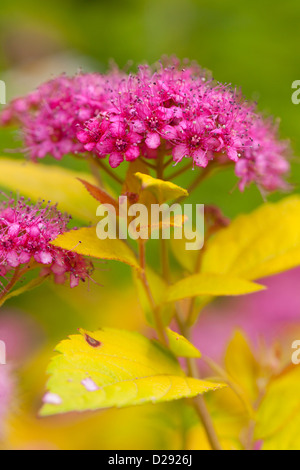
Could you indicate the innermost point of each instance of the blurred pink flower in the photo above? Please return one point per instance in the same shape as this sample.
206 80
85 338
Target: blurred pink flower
6 394
264 162
20 334
266 314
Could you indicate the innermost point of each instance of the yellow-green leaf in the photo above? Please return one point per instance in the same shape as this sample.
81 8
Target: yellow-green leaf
259 244
85 242
111 368
286 438
52 183
206 284
132 187
163 190
280 405
186 258
132 184
149 230
180 346
242 366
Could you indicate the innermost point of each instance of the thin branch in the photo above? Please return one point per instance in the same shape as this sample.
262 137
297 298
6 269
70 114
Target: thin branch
199 401
168 163
95 172
159 326
160 168
150 165
234 386
165 259
203 414
201 409
180 171
11 283
108 171
192 306
199 179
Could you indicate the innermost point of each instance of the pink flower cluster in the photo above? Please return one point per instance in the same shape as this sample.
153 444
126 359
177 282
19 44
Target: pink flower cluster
25 235
168 111
265 162
49 116
171 111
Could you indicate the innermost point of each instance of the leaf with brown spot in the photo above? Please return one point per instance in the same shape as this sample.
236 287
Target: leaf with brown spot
126 369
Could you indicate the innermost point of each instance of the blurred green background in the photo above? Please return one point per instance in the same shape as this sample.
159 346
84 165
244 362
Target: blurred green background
249 44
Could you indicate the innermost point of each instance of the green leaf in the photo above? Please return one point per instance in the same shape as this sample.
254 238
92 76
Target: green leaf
259 244
52 183
210 285
85 242
111 368
163 190
180 346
